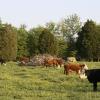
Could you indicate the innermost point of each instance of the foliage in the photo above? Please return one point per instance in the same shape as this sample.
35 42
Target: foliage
97 53
87 42
8 42
54 38
22 41
62 48
69 27
61 43
47 43
51 26
32 40
71 53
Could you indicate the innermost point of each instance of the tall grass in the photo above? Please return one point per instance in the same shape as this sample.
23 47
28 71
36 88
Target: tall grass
38 83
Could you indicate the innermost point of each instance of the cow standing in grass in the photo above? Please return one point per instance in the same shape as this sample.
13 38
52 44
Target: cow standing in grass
93 76
23 60
69 67
55 62
50 62
60 62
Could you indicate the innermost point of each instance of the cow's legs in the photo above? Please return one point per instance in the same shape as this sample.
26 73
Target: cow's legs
95 86
66 72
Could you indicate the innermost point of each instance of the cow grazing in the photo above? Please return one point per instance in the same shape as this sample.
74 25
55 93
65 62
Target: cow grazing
55 62
50 62
93 76
2 61
23 60
60 61
74 67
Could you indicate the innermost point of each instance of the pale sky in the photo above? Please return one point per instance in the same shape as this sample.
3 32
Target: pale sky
39 12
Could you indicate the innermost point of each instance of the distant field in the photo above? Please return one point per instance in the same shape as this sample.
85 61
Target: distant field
38 83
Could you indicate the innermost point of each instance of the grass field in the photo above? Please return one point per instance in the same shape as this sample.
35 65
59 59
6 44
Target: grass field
38 83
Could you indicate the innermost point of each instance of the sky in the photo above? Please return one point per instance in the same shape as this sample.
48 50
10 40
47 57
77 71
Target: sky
38 12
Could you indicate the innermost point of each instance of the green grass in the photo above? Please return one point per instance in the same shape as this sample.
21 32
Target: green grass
38 83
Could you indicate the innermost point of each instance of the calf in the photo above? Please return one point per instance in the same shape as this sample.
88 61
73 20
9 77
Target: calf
74 67
93 76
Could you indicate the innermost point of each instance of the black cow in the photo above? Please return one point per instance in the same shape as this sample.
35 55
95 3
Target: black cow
93 76
2 61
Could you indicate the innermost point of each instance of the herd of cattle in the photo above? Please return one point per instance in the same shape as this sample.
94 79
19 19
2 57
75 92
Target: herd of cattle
93 75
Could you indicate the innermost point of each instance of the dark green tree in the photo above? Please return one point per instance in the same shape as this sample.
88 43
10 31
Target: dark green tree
8 42
62 48
87 39
32 40
97 51
47 43
22 41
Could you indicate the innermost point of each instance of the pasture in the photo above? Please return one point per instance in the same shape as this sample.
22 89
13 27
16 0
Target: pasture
39 83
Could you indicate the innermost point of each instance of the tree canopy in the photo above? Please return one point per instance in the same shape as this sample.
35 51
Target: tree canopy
8 42
63 39
47 43
88 41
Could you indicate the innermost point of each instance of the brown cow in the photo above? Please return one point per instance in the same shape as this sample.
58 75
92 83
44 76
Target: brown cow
50 62
55 62
60 62
23 60
74 67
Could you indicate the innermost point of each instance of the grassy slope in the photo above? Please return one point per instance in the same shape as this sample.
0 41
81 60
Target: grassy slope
28 83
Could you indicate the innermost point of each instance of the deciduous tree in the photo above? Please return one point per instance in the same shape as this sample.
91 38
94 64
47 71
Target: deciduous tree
47 43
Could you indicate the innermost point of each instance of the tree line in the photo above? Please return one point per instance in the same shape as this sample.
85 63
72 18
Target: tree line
68 37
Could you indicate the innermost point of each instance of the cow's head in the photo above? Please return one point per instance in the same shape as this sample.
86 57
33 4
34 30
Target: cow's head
84 67
83 72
